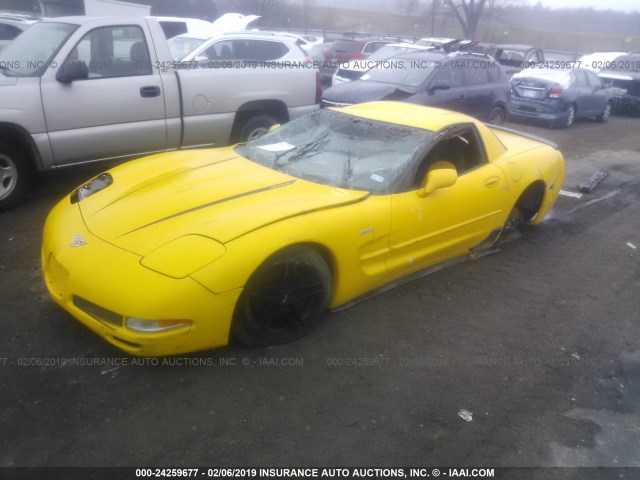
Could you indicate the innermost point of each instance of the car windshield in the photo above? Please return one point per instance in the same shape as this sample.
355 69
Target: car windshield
340 150
406 71
30 54
626 63
182 46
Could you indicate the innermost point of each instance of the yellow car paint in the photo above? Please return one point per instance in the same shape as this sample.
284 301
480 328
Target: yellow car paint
178 235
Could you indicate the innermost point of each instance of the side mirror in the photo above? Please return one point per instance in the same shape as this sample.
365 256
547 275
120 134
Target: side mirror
202 59
440 175
607 83
439 85
71 71
273 127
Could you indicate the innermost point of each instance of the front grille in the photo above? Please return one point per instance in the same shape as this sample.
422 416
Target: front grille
99 313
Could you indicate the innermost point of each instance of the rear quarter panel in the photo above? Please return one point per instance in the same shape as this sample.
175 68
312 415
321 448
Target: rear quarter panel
526 161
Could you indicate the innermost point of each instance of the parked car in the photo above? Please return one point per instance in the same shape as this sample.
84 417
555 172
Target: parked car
469 83
346 49
11 26
558 97
354 69
599 60
97 88
182 45
560 56
623 74
249 45
515 58
257 241
304 41
438 43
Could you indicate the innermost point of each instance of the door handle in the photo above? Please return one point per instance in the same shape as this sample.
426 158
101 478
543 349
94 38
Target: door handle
491 181
491 94
151 91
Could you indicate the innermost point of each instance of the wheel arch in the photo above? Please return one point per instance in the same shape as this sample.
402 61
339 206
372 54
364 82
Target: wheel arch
275 108
17 137
531 199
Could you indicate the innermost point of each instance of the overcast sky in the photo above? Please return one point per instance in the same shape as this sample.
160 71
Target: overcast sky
625 5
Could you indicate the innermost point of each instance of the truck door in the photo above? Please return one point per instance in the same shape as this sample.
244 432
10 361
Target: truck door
118 111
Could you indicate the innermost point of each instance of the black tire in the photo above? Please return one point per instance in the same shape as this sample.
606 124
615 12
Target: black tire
255 127
14 178
571 117
285 299
497 116
606 113
512 223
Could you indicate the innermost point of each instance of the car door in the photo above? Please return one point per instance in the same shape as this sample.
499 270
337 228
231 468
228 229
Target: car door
583 100
599 95
452 98
480 94
451 221
119 110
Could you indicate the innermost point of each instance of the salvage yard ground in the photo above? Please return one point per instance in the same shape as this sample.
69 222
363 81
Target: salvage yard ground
528 357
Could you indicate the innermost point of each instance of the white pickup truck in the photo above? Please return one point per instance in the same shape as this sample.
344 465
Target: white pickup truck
79 89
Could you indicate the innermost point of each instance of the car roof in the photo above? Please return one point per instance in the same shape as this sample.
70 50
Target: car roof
515 46
410 115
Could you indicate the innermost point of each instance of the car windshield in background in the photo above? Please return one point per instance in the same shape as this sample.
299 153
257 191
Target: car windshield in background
182 46
341 150
626 63
31 52
409 71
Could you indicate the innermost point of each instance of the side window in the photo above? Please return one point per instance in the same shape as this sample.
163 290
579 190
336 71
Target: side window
264 50
113 52
581 80
220 51
463 149
539 56
477 73
373 46
451 74
594 80
9 32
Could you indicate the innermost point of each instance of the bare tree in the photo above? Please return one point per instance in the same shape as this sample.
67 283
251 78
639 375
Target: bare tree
468 13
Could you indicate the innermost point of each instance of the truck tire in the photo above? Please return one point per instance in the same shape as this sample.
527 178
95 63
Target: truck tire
256 127
14 177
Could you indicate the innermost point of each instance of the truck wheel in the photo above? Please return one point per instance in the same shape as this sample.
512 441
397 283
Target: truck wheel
14 178
256 127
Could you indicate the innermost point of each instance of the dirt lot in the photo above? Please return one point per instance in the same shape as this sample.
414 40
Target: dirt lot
540 343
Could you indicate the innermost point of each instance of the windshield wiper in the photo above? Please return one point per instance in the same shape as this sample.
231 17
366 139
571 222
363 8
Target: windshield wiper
301 150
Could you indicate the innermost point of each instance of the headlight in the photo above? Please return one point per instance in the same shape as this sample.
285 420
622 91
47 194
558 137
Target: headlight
101 182
154 326
183 256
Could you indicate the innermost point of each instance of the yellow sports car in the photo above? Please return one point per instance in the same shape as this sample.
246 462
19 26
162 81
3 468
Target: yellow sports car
177 252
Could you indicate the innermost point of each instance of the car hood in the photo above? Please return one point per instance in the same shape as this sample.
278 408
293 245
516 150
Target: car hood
361 91
214 193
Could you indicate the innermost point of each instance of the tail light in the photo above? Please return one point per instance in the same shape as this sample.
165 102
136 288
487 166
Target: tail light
318 86
555 92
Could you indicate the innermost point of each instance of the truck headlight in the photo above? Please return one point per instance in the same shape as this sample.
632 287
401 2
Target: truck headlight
100 182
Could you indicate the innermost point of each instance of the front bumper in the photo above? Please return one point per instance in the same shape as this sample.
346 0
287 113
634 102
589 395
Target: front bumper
101 284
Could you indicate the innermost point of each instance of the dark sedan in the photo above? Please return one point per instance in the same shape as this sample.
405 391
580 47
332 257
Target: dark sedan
468 83
559 97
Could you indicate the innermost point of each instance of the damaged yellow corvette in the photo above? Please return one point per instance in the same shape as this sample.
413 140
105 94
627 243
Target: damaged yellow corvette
180 251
